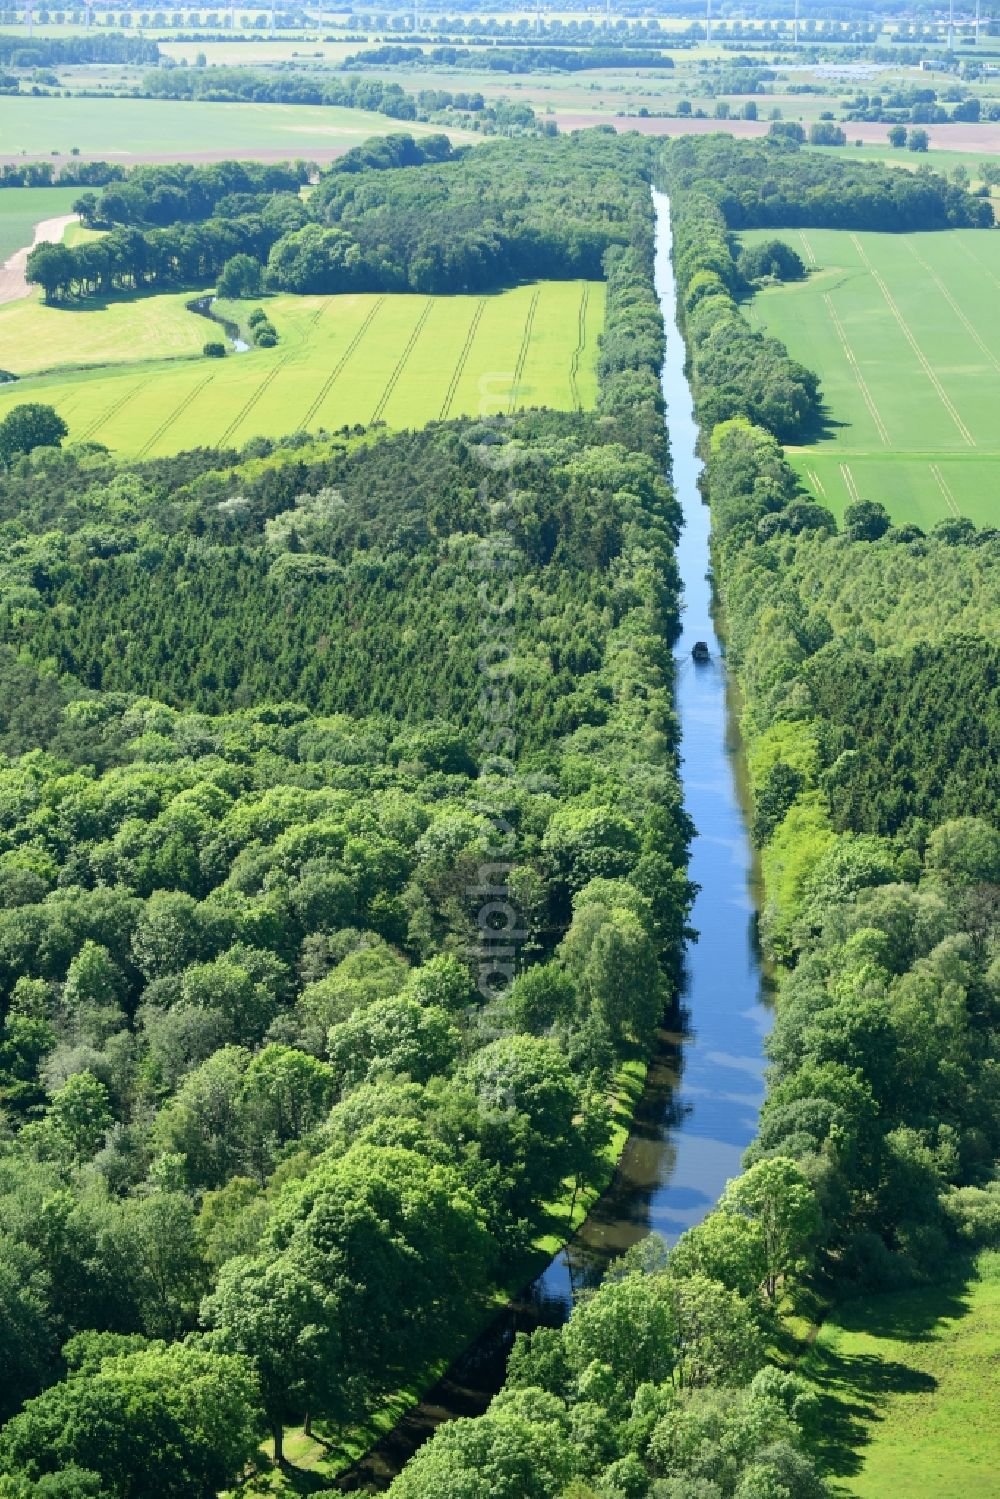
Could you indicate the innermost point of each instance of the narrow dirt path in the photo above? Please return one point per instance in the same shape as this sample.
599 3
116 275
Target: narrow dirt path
49 232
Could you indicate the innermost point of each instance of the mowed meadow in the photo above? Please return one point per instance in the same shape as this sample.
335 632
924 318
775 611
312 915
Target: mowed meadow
905 1398
904 332
401 359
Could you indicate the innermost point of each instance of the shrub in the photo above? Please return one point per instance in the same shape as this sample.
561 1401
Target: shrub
264 334
214 349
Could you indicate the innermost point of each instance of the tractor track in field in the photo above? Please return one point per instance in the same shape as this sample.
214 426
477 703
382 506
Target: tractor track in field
522 357
581 343
946 493
334 374
252 400
113 410
390 384
922 359
855 368
178 410
816 482
851 486
463 359
810 252
943 289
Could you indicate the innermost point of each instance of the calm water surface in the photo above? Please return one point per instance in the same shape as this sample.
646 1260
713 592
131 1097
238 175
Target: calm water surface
699 1108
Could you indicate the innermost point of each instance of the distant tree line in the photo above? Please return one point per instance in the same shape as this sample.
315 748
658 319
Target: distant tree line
227 85
95 47
183 193
527 59
70 174
772 183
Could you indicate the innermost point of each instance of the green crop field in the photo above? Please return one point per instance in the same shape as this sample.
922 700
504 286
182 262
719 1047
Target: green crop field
904 332
404 360
907 1385
21 208
120 128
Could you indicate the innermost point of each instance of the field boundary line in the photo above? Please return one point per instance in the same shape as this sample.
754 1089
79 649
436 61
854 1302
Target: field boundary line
943 289
328 383
113 409
855 368
252 400
949 498
179 409
408 348
462 360
810 252
523 353
852 488
908 335
581 344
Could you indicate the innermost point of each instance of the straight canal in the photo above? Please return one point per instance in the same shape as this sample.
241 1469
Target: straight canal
705 1086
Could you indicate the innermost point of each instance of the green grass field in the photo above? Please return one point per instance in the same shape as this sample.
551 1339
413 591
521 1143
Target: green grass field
21 208
120 128
34 337
904 332
907 1386
404 360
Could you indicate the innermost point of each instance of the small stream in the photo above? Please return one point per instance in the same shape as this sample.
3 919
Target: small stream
203 307
699 1108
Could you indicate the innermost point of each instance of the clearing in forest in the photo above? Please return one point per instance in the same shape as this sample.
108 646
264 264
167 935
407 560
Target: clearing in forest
402 359
904 333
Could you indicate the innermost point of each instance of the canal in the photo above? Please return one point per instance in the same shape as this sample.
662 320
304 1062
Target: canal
699 1108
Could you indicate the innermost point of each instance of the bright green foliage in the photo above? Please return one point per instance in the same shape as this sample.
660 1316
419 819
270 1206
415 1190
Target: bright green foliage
778 1199
503 1455
186 1415
28 426
80 1113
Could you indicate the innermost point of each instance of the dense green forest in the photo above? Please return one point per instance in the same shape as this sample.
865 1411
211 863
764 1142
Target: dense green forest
773 182
554 211
342 868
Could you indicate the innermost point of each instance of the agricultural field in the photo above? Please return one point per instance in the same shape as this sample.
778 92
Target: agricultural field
904 332
36 338
21 208
120 129
401 359
906 1384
